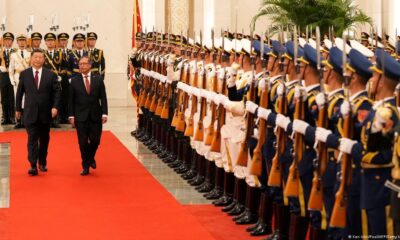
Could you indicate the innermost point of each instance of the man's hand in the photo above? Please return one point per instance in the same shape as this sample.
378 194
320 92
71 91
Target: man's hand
72 121
54 112
18 115
104 119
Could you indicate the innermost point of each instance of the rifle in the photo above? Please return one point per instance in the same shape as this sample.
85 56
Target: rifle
275 175
190 127
153 84
167 87
180 93
211 129
199 134
2 30
293 181
29 30
216 138
256 162
339 212
316 202
143 90
244 148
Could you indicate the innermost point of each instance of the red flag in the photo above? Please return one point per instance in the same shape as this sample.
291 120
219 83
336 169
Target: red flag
137 21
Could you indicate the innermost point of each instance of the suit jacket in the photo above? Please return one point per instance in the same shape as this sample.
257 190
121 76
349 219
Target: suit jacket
38 101
82 105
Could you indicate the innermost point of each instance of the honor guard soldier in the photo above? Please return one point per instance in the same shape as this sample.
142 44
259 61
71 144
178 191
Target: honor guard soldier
76 54
374 151
63 73
19 61
96 55
6 88
53 62
36 40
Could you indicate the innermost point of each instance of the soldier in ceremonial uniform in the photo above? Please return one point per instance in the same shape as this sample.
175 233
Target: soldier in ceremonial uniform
36 40
96 55
75 55
53 61
6 88
19 61
374 150
63 73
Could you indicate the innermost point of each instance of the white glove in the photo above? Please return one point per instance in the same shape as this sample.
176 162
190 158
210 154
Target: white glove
59 79
256 133
321 134
221 74
345 108
300 91
263 113
300 126
320 100
14 83
215 98
251 107
69 80
282 121
222 99
261 84
210 96
195 92
3 69
346 145
280 89
226 102
378 123
180 85
203 93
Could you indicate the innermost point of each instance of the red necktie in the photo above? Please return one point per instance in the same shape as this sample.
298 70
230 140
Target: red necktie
87 83
37 79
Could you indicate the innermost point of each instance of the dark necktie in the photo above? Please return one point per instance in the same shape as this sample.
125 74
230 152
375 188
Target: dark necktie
79 54
22 54
87 83
37 79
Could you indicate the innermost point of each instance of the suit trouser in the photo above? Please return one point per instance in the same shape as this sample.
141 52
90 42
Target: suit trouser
89 134
7 97
38 142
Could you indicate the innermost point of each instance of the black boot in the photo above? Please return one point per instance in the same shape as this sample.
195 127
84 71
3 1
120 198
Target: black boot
282 221
298 227
252 204
241 198
226 197
200 172
209 178
265 212
318 234
219 182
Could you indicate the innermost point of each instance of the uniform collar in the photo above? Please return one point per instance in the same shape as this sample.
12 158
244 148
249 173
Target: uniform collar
312 87
291 83
336 92
358 94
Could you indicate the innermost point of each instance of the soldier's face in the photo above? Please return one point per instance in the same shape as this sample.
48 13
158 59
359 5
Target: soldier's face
79 44
36 43
91 43
37 60
375 84
8 42
21 43
63 43
50 44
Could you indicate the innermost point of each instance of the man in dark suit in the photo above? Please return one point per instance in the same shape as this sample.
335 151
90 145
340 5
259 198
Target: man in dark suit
88 111
42 98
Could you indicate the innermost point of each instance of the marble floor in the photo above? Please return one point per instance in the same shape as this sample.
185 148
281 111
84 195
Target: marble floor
121 122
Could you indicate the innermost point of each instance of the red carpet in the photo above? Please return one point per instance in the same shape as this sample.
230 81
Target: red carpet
119 200
219 224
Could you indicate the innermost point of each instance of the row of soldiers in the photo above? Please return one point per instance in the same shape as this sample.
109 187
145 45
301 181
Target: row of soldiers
302 132
60 59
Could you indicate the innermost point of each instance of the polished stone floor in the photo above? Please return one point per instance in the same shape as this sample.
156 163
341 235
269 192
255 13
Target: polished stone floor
121 122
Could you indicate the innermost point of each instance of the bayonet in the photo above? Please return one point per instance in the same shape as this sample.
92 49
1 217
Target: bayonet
346 77
296 49
319 68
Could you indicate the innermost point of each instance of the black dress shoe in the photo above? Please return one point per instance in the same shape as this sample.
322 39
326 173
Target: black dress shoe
18 126
253 227
55 125
247 218
85 172
223 201
33 171
93 165
230 206
207 187
237 210
42 168
216 193
189 175
261 229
